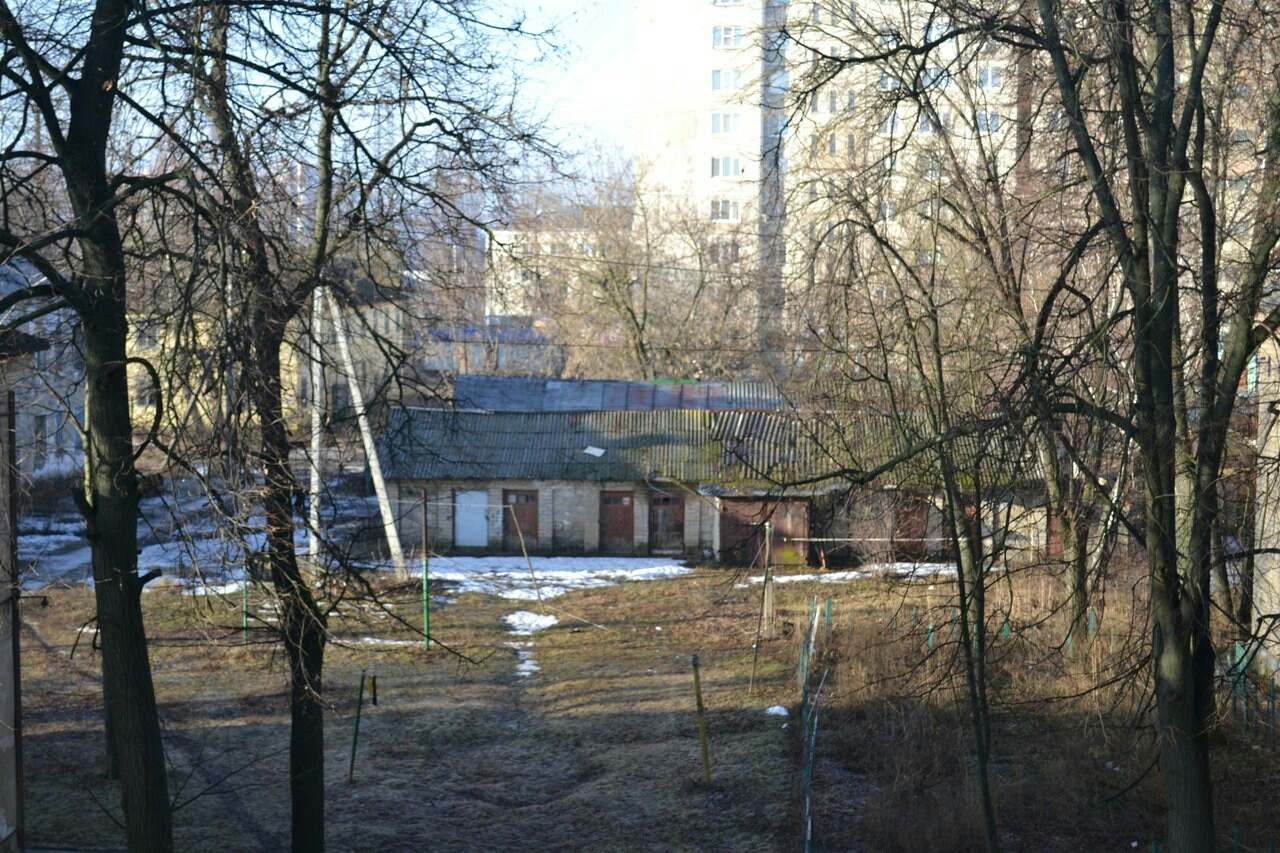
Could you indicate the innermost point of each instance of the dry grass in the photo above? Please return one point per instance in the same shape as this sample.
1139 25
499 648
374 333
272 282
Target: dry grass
1073 747
600 751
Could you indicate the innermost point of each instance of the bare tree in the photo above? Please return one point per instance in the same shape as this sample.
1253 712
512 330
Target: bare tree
634 284
66 76
1167 152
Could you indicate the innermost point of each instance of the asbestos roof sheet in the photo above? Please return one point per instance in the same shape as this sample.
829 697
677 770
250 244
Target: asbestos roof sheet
728 448
519 394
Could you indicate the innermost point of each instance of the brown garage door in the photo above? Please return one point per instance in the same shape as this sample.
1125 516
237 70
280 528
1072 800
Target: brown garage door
519 506
666 524
617 522
742 530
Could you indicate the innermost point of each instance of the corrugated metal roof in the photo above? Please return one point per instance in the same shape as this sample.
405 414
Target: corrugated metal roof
749 449
520 394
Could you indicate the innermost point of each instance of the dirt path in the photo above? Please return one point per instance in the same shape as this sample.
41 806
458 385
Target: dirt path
598 750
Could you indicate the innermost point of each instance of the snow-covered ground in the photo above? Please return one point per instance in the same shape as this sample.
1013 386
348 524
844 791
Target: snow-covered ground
179 534
872 570
512 577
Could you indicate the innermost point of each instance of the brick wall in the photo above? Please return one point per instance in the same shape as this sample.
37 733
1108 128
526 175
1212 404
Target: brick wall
568 514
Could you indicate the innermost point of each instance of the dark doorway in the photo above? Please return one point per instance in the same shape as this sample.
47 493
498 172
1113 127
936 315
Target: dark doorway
666 524
742 530
519 506
910 528
617 523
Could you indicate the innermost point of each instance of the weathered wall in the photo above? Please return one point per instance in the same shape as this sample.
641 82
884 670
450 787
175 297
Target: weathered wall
568 514
1267 532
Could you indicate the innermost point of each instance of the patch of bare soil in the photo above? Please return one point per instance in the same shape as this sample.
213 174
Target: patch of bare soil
597 750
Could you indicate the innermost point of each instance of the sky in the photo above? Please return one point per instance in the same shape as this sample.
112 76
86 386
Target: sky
585 87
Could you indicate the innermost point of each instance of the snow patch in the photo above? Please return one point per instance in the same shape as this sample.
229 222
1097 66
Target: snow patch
378 641
875 570
511 578
777 711
523 622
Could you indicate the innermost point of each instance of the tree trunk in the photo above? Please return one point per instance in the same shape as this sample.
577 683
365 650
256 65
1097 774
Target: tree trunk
1184 700
111 511
302 622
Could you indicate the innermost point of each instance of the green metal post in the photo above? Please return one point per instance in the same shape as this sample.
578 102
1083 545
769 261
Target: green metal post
826 628
1093 623
426 599
244 606
355 736
1006 629
426 603
930 638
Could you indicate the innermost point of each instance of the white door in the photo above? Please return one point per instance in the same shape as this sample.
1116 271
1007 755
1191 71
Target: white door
471 519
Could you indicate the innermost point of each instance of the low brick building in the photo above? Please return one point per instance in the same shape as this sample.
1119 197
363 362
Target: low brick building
685 482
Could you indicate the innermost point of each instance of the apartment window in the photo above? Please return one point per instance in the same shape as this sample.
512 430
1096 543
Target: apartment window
1241 137
813 101
931 167
40 438
726 167
936 78
989 77
851 101
888 82
724 253
890 38
816 14
833 101
891 125
831 144
849 145
722 209
937 30
931 124
725 122
988 122
887 212
726 36
726 79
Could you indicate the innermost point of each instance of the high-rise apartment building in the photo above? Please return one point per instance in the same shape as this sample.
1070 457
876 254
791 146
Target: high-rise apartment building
793 128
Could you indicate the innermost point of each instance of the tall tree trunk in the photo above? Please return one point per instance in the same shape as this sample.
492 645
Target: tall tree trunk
303 624
1184 679
111 511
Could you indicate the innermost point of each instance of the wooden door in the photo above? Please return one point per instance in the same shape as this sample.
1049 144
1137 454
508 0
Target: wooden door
666 524
742 530
519 516
617 522
910 528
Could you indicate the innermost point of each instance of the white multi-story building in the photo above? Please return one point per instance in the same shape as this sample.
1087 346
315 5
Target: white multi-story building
794 127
